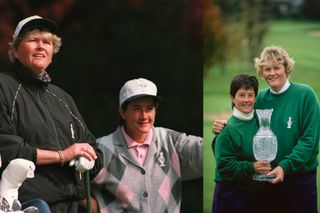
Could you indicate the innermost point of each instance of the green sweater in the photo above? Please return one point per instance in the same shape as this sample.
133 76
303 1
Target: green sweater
295 122
234 155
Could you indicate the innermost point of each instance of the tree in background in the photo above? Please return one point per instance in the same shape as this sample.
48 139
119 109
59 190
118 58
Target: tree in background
214 36
256 18
235 30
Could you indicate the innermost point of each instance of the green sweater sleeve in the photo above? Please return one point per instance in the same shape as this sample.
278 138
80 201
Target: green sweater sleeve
303 155
229 166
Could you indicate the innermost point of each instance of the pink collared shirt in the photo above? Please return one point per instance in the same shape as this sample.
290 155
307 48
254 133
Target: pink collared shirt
140 150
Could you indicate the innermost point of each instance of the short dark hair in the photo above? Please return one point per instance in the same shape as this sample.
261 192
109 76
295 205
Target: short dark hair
243 81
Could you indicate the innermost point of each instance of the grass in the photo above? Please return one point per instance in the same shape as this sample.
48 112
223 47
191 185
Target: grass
301 40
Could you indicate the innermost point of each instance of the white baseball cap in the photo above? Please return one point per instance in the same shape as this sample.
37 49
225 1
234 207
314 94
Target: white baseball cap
137 88
34 22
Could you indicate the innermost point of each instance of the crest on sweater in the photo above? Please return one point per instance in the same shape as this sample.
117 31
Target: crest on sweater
289 122
161 160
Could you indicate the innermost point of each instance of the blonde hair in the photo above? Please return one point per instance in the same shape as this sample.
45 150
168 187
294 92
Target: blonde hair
274 55
56 41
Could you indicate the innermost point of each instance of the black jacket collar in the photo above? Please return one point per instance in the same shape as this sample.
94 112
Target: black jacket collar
30 79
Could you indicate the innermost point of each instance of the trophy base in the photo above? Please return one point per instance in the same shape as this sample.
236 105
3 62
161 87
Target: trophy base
260 177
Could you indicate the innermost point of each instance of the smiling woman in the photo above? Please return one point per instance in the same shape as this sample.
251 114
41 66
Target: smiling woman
243 92
234 156
244 100
140 115
295 122
143 164
275 67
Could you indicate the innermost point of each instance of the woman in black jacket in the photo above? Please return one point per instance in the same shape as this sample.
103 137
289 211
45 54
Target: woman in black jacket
41 123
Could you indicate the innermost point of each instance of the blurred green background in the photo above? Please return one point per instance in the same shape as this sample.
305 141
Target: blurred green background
300 37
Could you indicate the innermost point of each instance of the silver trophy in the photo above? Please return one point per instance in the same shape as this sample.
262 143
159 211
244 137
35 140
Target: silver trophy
265 143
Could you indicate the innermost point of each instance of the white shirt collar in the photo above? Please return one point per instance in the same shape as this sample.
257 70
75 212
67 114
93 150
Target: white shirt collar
242 116
283 89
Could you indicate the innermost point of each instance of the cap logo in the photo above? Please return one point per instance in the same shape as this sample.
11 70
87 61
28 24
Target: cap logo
142 85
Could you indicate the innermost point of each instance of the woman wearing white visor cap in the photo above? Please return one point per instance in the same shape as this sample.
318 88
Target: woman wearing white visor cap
144 165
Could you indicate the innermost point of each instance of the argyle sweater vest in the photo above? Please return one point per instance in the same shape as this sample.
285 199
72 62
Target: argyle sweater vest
124 185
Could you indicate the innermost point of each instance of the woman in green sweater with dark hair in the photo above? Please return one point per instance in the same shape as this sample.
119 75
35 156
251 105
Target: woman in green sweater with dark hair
295 122
235 190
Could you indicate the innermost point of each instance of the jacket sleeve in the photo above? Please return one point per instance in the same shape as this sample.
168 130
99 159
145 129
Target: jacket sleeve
86 136
227 162
190 152
11 144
